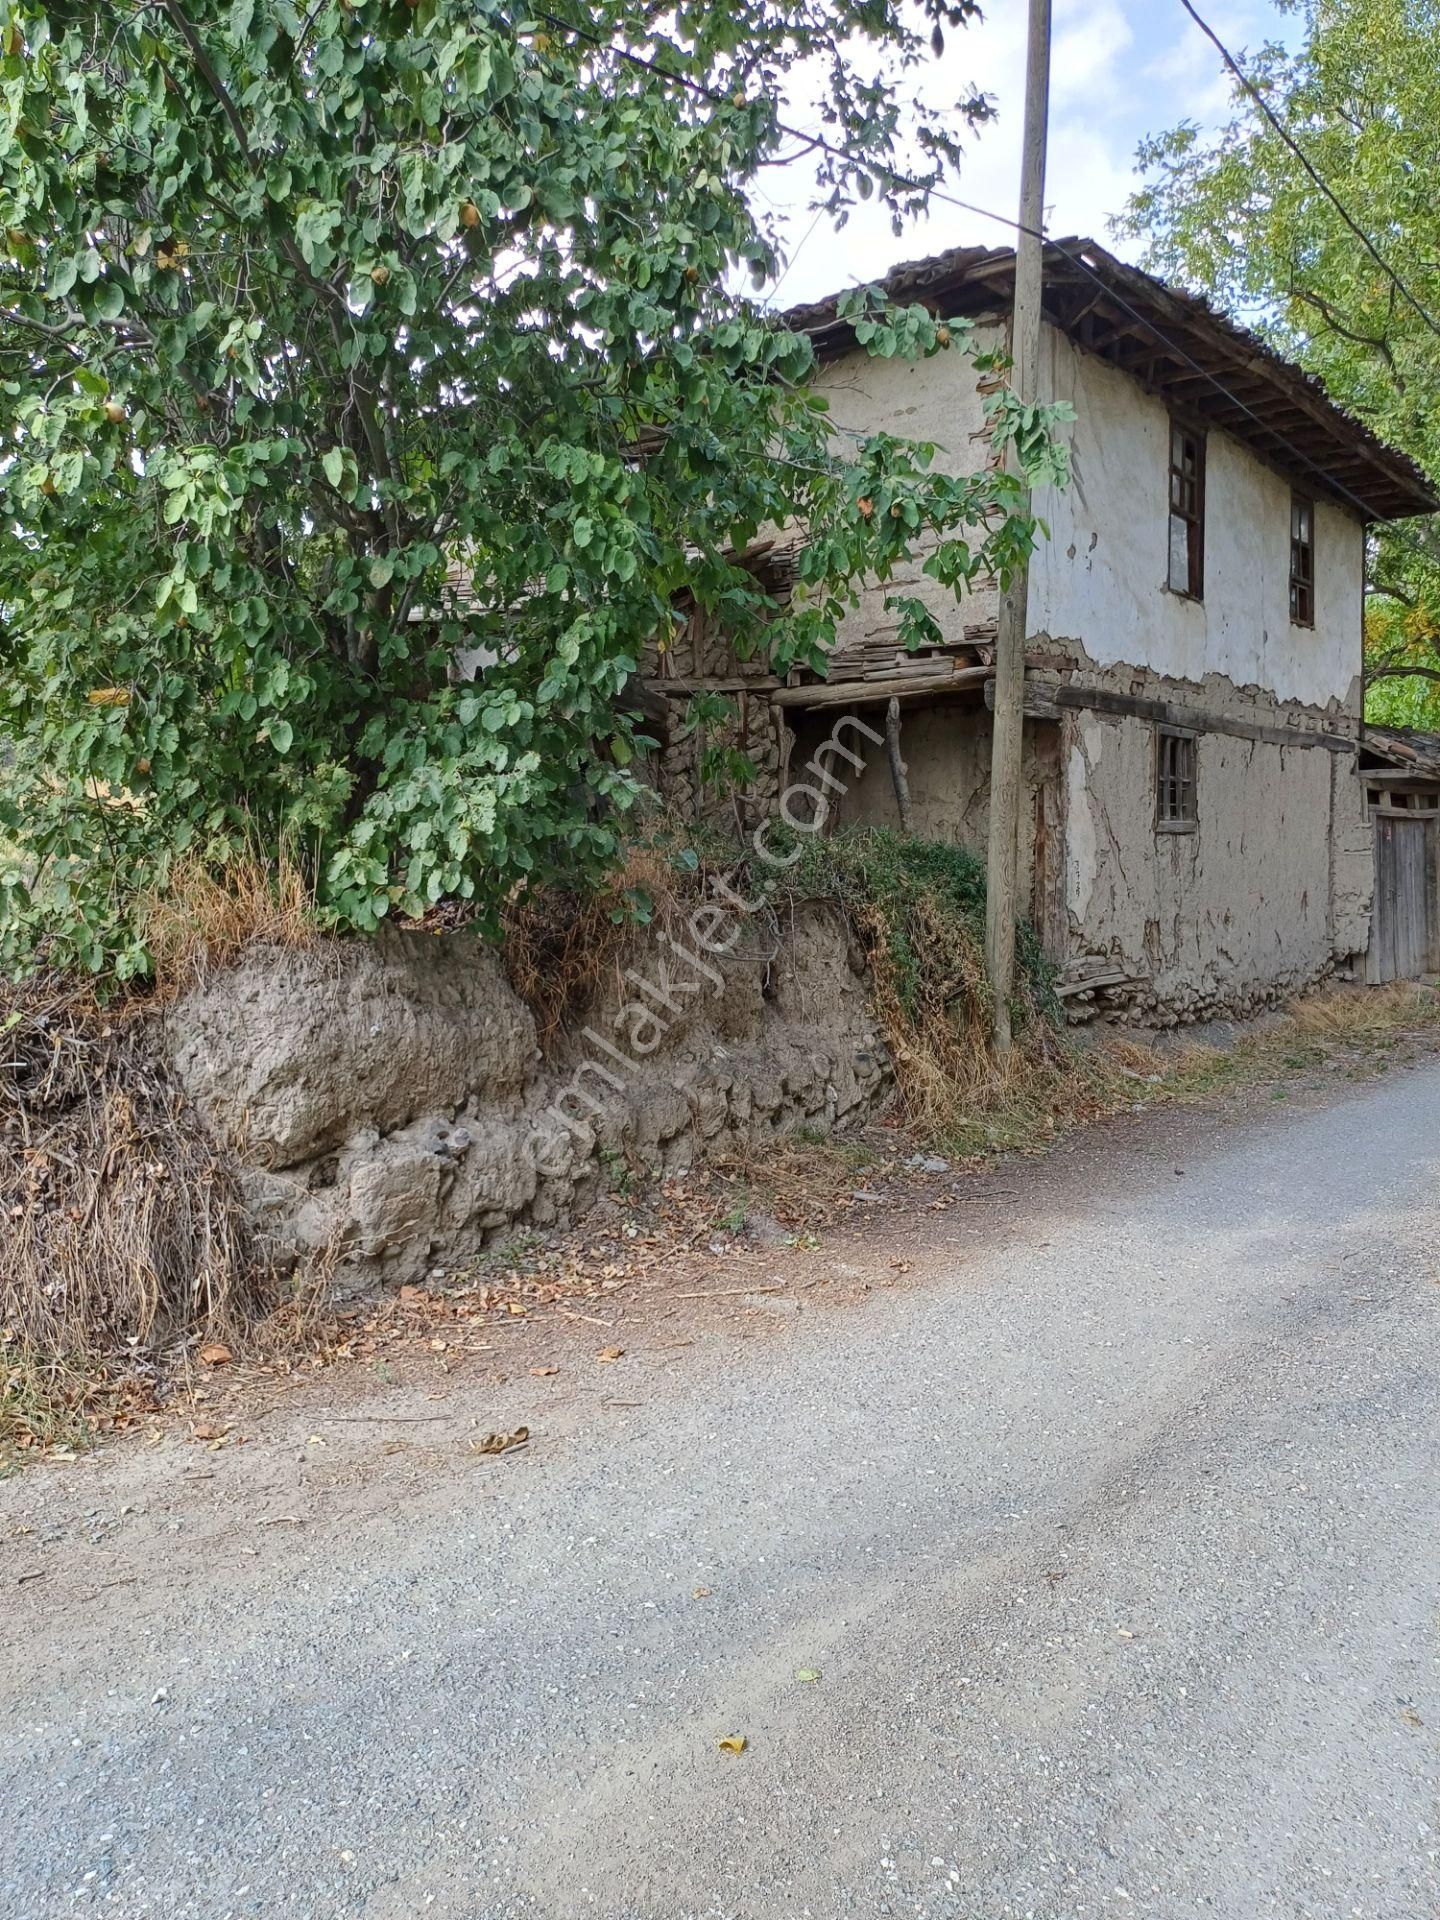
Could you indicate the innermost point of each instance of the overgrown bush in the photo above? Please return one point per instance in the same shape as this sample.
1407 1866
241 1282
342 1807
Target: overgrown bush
918 907
337 338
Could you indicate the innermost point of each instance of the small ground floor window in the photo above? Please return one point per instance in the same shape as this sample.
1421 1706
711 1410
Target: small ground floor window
1174 781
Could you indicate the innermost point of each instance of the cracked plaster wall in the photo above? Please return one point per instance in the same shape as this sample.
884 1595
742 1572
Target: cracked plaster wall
1101 576
946 750
1253 905
935 400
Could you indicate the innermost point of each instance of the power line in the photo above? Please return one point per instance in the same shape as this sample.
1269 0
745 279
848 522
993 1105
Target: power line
785 271
1300 154
822 145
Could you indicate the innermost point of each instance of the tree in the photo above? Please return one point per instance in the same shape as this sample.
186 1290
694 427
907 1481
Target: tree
337 335
1238 217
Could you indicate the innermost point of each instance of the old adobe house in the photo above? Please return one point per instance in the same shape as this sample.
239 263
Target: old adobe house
1197 837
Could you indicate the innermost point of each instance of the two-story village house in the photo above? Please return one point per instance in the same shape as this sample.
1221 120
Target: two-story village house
1198 837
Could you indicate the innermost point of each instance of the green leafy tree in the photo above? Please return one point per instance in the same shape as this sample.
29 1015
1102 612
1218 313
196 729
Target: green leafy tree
338 336
1235 215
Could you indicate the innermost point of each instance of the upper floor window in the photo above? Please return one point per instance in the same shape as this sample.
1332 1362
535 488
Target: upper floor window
1302 561
1187 511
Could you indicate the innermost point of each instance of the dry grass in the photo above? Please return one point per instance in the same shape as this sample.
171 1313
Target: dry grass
937 1021
124 1224
559 948
955 1092
1357 1028
1343 1012
41 1401
206 918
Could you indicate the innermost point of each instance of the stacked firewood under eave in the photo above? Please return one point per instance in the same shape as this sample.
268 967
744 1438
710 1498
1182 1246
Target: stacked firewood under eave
878 657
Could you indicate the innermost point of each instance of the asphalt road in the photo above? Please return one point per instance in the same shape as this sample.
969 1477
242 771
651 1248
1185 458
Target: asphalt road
1112 1540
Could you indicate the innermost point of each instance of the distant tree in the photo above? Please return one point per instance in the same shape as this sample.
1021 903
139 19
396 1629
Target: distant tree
306 307
1235 215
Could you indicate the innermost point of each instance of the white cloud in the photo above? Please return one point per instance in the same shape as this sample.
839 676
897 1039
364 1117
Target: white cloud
1120 69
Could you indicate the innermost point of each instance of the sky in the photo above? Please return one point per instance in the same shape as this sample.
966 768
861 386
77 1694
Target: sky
1120 69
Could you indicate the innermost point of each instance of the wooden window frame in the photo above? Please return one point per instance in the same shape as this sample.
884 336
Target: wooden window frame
1181 780
1185 501
1302 563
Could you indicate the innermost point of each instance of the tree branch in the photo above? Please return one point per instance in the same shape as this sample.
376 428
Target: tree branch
1390 591
1372 674
1327 314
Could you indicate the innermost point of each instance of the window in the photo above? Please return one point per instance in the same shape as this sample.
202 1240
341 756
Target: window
1302 561
1174 781
1187 511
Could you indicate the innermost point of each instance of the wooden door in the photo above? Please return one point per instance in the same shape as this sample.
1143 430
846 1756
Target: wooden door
1406 937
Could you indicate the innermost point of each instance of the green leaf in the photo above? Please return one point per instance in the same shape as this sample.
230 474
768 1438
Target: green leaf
459 309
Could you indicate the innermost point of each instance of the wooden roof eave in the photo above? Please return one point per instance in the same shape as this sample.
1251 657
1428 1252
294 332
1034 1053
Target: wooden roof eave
1180 350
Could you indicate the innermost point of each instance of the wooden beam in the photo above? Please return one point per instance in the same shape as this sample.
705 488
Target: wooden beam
869 693
898 769
1048 703
683 684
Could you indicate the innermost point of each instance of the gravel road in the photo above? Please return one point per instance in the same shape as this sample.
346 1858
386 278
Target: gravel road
1110 1534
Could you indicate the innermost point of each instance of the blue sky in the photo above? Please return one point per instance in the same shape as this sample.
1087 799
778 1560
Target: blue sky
1120 69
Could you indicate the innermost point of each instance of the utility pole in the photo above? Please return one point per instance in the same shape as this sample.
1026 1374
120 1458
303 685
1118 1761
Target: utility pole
1006 768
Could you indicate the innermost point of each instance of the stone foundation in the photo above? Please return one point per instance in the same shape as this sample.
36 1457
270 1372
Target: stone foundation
394 1111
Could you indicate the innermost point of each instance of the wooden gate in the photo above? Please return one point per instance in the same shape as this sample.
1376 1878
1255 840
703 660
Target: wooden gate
1405 939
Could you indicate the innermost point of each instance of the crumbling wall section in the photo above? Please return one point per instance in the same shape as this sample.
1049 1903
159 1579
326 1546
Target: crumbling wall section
394 1111
1352 861
1267 894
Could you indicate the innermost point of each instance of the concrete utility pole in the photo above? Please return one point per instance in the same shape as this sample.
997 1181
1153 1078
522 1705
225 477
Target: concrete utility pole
1006 770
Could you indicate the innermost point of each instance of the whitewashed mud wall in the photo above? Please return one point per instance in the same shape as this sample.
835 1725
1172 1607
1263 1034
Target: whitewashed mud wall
936 400
1274 888
1101 577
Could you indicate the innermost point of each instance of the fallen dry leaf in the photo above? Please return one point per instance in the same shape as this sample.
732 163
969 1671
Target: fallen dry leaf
542 1373
701 1593
216 1354
500 1442
733 1743
611 1353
